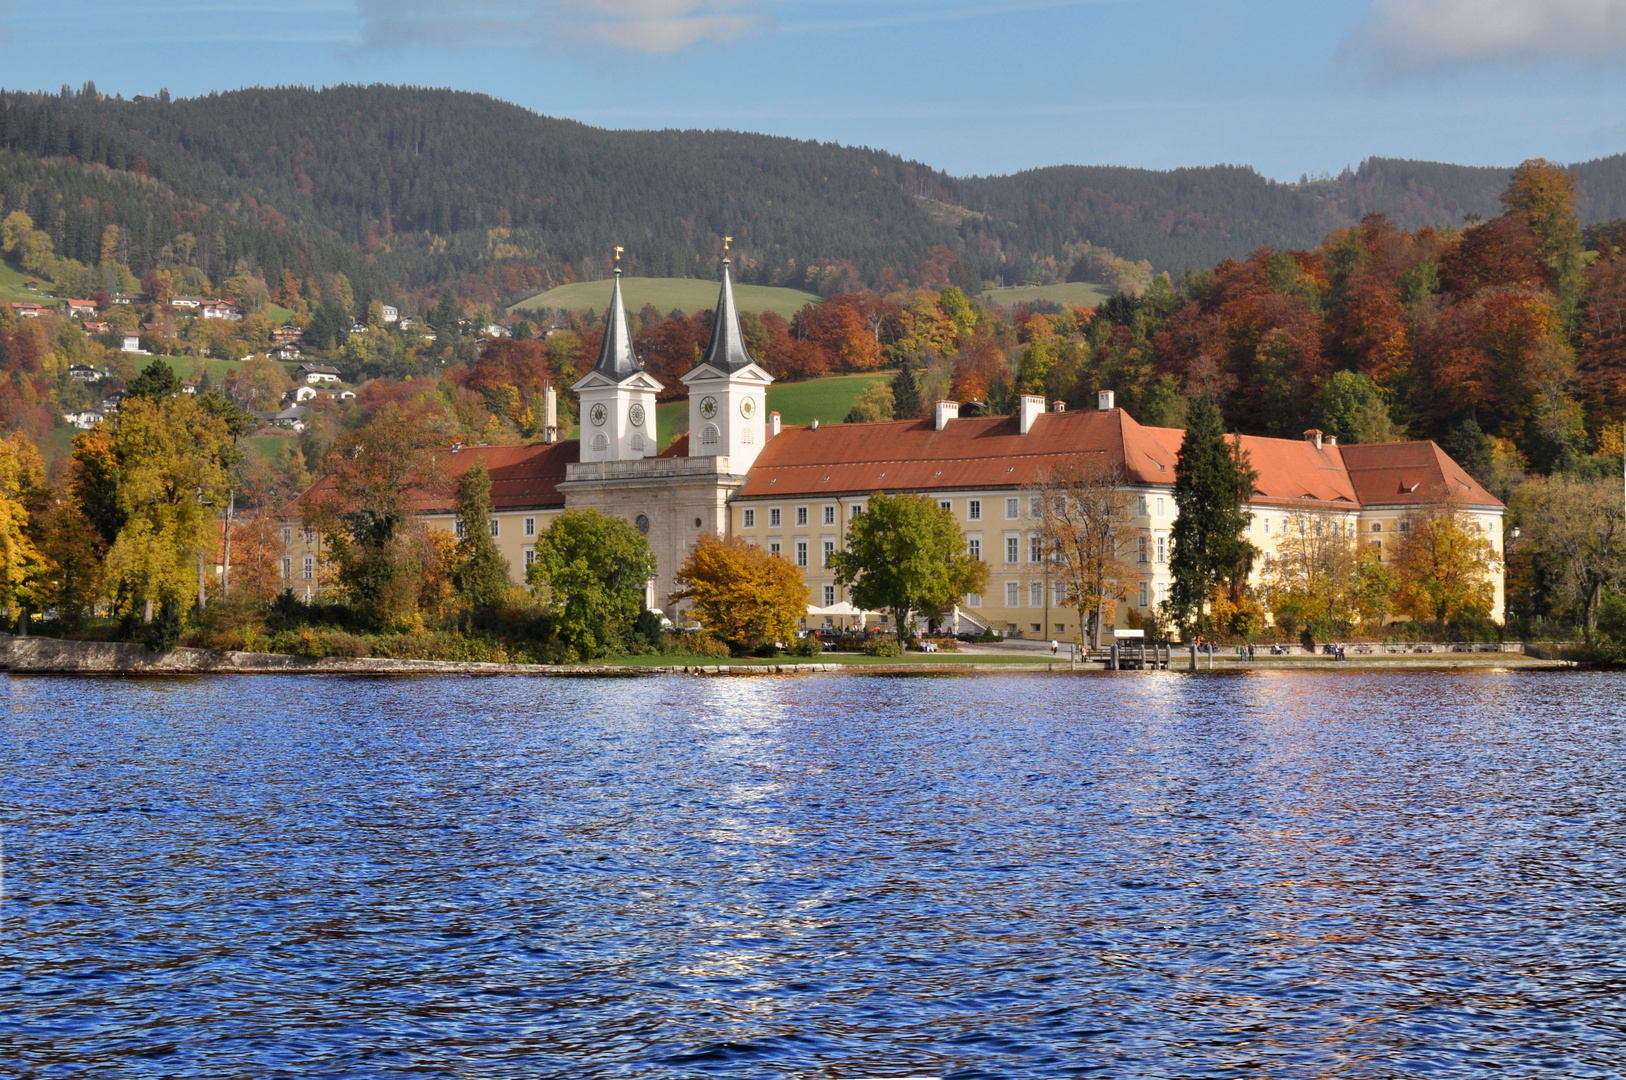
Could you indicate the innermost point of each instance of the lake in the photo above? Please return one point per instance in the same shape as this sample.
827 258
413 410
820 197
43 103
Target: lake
1362 874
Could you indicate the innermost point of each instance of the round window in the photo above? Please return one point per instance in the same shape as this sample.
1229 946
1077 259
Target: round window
636 415
642 522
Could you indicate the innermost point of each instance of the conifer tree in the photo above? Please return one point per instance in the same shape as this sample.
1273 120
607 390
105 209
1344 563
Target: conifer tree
482 573
905 393
1212 485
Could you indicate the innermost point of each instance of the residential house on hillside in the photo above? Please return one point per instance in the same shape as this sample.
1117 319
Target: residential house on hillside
83 420
128 298
25 310
188 303
132 341
80 308
85 373
293 417
317 373
221 309
286 351
96 326
286 335
391 313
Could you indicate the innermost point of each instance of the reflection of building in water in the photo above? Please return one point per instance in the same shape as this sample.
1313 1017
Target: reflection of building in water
794 490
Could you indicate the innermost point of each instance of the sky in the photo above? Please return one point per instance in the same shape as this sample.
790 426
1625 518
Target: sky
975 87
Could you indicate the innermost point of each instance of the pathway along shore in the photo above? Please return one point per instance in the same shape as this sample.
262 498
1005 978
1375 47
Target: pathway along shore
36 655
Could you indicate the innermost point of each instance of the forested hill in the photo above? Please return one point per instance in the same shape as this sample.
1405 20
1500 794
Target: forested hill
409 190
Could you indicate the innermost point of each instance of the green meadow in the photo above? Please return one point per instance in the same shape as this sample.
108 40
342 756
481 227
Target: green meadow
825 400
1067 293
666 294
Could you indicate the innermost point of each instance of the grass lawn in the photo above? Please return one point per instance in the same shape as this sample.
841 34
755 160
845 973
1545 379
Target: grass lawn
685 294
11 286
825 400
1068 293
57 445
267 447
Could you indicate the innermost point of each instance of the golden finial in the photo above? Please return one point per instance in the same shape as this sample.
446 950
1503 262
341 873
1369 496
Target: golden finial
727 240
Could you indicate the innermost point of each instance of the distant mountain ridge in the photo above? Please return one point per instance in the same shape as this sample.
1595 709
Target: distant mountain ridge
410 190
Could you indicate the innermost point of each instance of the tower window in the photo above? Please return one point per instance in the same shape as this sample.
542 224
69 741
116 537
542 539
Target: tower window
601 443
746 438
708 437
637 442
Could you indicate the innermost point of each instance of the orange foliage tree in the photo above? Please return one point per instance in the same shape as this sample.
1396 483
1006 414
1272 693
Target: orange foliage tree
742 594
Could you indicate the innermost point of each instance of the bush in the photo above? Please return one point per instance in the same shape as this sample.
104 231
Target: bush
318 644
884 645
945 644
806 646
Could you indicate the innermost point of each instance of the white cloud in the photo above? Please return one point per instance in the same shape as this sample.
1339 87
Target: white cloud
649 26
1399 37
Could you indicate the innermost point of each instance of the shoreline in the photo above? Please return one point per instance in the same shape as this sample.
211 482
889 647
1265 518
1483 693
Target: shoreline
52 656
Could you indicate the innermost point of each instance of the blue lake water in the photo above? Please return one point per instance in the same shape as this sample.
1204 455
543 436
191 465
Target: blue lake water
1142 875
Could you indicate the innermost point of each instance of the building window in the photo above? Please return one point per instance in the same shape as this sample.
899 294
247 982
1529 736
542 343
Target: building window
601 443
801 515
1163 592
1013 548
1377 526
494 528
1377 546
310 534
974 547
637 442
773 547
1267 560
708 437
746 438
1143 594
829 515
750 519
287 569
1013 509
530 526
1012 594
1035 548
1141 544
1267 526
1318 526
309 568
973 600
1160 506
1405 526
1162 549
1035 509
287 535
457 528
829 550
1285 529
773 516
946 505
1035 594
1140 506
530 556
973 509
829 595
801 554
854 510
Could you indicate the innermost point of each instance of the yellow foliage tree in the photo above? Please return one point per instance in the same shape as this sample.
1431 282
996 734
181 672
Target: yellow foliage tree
22 567
742 594
1443 567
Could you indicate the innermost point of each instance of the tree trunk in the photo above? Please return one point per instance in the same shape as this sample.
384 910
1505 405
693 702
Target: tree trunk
22 621
146 614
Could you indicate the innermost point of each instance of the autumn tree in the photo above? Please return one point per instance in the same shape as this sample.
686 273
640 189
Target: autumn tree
904 554
366 512
1085 532
742 594
1574 529
1213 483
22 566
171 467
591 571
1320 572
1443 567
873 405
1542 195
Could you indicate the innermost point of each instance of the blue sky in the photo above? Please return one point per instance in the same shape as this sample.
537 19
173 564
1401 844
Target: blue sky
972 86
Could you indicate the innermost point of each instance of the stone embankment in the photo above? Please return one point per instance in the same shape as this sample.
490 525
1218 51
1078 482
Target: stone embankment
36 655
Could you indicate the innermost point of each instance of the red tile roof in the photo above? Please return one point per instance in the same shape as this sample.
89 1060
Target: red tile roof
1411 474
522 477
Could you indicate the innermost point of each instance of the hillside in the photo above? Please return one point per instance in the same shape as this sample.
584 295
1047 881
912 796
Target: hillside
409 191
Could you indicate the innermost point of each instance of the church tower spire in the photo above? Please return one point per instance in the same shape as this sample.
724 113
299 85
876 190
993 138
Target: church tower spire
727 389
618 395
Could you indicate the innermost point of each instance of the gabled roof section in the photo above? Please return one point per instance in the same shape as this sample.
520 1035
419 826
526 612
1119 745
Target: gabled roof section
1411 474
727 352
522 478
616 360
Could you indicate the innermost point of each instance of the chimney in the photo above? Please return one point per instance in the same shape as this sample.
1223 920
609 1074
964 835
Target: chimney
815 424
550 414
773 424
1058 406
946 411
1313 436
1032 409
1330 440
1104 400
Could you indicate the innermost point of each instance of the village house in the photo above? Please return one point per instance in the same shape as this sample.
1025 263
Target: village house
80 308
317 373
131 342
96 326
25 310
188 303
220 309
391 313
85 373
286 351
83 420
795 490
287 335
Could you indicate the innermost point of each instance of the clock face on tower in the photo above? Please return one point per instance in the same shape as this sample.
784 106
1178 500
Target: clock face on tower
748 407
636 415
599 414
708 407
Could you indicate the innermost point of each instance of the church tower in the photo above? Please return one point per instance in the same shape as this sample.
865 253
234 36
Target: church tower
727 390
618 395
